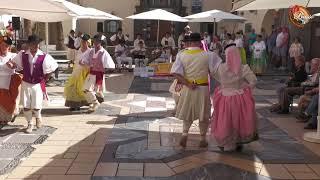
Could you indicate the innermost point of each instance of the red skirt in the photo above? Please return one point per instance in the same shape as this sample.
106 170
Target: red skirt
8 99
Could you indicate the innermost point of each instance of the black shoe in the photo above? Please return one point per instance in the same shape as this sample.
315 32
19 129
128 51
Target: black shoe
283 112
221 148
310 127
239 148
72 109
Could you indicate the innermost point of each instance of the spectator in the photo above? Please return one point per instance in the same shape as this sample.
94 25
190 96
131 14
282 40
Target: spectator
187 30
139 55
207 39
271 44
252 37
312 111
121 51
71 49
181 40
282 47
116 38
223 35
264 34
228 40
216 46
293 87
168 41
296 49
137 41
77 41
258 61
240 45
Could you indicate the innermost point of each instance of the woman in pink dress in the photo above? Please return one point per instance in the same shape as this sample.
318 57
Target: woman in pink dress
234 120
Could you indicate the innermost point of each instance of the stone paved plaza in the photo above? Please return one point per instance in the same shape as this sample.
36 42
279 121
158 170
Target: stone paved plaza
133 136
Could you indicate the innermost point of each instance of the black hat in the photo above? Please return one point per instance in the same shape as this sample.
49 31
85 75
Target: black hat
7 40
85 37
229 45
34 39
193 37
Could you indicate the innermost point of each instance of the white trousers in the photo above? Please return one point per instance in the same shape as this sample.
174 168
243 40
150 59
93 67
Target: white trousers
91 90
31 96
120 60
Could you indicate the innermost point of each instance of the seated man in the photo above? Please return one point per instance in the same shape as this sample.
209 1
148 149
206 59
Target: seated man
305 99
139 55
293 87
312 111
121 51
138 41
164 57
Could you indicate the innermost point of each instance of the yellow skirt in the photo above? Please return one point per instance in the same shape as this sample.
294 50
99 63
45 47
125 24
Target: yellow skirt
243 56
73 90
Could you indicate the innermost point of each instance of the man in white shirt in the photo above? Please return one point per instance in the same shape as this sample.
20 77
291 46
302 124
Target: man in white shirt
121 51
139 55
37 67
207 38
167 41
115 39
192 68
137 41
77 41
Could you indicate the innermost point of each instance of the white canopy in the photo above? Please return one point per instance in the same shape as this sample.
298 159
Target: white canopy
214 16
51 10
158 14
277 4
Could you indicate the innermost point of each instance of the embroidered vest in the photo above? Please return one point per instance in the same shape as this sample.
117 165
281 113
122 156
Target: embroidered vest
37 74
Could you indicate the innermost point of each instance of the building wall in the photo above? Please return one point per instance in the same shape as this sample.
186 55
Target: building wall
121 8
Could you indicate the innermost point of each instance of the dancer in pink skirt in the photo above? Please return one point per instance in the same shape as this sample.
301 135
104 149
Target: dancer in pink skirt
234 118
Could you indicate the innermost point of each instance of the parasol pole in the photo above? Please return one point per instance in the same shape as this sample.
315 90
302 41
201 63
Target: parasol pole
158 31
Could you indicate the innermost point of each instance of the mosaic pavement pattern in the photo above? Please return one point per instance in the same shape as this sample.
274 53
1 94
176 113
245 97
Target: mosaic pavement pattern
147 137
133 136
16 145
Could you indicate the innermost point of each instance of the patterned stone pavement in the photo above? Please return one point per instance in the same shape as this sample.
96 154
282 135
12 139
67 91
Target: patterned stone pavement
134 136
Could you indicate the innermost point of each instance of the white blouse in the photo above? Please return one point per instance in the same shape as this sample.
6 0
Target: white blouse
5 71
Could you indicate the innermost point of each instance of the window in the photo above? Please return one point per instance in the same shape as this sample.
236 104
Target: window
112 26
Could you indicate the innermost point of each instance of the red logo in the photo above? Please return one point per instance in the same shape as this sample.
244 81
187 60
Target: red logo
299 16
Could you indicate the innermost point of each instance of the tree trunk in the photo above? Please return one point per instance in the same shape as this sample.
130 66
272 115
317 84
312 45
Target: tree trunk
27 28
60 42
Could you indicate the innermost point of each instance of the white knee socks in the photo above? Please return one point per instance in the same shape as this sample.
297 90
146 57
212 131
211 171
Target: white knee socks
28 116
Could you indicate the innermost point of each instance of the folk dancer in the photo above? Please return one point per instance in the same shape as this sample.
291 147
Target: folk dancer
191 69
73 91
9 83
121 53
259 59
139 55
36 67
98 60
234 119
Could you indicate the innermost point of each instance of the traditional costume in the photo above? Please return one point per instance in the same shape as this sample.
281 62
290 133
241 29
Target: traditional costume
35 68
259 57
9 85
193 66
234 117
73 91
98 60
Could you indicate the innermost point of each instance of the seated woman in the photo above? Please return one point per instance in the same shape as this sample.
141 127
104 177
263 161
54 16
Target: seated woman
292 88
234 119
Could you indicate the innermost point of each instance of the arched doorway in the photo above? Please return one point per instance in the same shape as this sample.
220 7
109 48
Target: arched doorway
269 19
